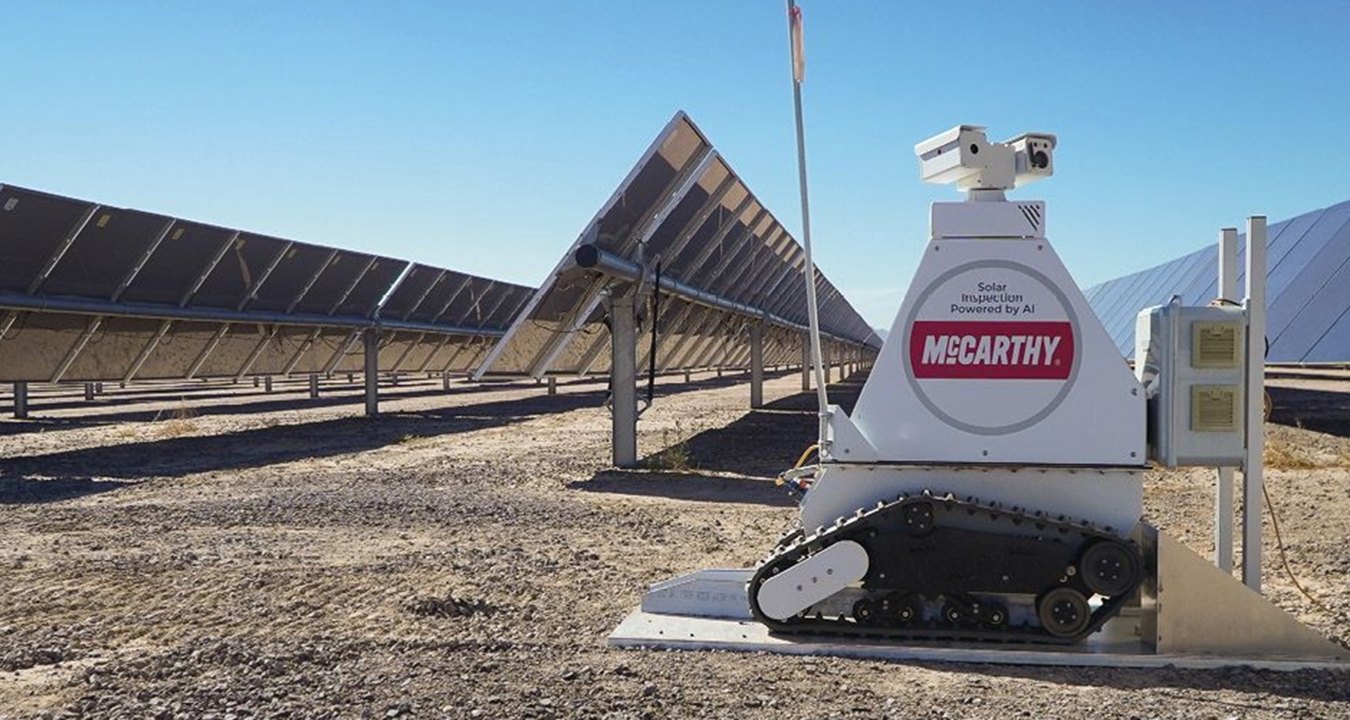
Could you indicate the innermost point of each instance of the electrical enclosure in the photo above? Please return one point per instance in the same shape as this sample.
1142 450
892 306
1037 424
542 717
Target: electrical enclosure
1192 362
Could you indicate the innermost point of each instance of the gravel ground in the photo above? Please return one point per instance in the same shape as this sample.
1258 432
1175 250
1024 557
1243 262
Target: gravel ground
202 555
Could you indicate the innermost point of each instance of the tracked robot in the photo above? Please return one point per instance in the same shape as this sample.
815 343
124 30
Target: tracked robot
987 489
987 483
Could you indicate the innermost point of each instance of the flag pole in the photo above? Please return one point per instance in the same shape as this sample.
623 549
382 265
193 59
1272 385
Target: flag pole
798 75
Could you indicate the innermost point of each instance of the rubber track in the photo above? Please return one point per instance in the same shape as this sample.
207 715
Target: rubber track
862 521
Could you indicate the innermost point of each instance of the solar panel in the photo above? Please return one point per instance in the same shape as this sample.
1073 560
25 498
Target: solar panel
415 289
300 264
106 254
335 282
48 225
1305 271
375 284
1307 279
723 259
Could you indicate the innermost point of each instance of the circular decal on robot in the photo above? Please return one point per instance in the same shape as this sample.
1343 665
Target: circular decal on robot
991 347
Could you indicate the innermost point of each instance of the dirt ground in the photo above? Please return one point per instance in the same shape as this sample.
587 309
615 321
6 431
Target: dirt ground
208 553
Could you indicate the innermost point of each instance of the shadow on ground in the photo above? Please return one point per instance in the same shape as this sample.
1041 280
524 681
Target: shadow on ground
1319 410
690 485
194 403
735 463
115 406
63 475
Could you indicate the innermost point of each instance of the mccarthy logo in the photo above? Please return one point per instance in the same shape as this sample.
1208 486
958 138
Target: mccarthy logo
990 349
998 350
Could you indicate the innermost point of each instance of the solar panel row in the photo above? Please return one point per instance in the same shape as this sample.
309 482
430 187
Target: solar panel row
725 260
91 292
1307 291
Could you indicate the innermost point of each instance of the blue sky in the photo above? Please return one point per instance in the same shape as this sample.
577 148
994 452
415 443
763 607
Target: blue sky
484 135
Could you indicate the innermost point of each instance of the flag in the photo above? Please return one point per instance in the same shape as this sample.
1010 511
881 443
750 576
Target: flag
798 50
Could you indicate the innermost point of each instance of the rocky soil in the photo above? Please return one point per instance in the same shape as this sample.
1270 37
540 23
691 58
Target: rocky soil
202 554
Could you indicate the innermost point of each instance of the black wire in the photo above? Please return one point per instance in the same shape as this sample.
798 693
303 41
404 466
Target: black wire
20 320
583 331
100 333
651 359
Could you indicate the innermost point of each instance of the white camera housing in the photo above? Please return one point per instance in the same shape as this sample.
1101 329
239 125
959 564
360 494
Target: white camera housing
1035 157
964 156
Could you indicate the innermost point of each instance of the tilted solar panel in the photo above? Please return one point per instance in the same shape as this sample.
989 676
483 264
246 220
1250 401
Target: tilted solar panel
723 259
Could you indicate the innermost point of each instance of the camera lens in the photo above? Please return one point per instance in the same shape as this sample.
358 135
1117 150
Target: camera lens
1040 160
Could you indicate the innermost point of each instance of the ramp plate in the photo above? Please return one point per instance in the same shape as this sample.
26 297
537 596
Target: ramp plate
1109 648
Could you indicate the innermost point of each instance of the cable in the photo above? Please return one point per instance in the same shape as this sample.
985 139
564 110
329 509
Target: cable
651 360
583 331
797 483
21 320
802 460
99 333
1284 557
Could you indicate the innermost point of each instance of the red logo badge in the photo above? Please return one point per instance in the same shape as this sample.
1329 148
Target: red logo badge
991 350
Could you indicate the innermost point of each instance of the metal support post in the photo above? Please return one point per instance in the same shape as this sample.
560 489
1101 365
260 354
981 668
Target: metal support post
552 385
445 381
255 381
687 377
1223 497
756 365
314 386
21 400
88 392
806 364
267 384
623 380
1256 392
372 369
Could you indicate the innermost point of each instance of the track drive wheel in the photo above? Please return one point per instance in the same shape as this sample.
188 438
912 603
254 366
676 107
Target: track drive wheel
1109 567
1063 612
919 519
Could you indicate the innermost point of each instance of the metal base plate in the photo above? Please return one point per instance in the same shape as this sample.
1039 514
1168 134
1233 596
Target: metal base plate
1108 648
1190 615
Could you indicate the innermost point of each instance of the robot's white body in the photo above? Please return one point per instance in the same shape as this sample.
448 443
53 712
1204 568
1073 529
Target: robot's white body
996 381
997 391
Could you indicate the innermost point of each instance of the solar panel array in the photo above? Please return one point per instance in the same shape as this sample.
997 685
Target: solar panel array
725 261
1307 295
90 292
